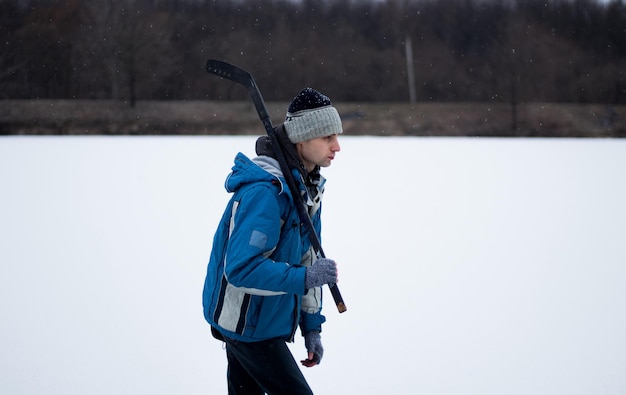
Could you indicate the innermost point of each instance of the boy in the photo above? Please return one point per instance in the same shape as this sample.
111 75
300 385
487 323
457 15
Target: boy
264 279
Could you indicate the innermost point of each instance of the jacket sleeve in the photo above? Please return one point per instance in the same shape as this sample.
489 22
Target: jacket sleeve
311 322
254 234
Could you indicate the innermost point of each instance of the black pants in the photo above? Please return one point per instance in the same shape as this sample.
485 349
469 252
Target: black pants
263 367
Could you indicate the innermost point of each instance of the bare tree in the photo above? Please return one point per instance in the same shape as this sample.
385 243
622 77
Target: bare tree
464 50
135 47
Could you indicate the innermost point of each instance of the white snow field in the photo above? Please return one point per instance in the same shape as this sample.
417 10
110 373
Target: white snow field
468 266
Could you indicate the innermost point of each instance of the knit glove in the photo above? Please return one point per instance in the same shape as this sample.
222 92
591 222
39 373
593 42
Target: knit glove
323 271
313 344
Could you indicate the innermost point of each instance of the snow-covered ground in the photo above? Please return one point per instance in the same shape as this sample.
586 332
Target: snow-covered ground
468 266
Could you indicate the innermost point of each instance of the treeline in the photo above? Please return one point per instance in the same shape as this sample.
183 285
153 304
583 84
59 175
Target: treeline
462 50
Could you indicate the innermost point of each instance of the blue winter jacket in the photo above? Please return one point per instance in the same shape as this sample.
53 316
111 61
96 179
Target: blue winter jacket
254 287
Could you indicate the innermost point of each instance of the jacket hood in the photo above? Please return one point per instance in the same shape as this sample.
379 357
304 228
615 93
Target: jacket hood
259 169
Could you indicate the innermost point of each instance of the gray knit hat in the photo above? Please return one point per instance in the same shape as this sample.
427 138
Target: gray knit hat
311 115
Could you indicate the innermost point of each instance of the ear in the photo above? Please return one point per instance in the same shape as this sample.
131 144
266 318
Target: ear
299 149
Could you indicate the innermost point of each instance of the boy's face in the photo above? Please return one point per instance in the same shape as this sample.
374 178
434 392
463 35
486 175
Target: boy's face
319 151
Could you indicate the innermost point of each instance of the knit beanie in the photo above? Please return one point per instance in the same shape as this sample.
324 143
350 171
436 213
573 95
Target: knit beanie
311 115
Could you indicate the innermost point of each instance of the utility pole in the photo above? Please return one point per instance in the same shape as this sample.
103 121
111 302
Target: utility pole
410 72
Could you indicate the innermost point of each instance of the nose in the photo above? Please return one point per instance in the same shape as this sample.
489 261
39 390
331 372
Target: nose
335 147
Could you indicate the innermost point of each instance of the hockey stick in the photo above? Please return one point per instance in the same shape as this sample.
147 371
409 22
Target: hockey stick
243 78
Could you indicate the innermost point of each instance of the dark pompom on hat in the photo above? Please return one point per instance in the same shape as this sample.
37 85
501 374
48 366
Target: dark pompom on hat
311 115
308 99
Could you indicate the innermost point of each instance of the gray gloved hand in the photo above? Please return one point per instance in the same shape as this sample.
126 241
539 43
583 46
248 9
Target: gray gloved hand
323 271
313 344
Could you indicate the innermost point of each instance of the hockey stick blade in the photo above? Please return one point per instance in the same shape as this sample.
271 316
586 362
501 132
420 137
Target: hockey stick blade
245 79
230 72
